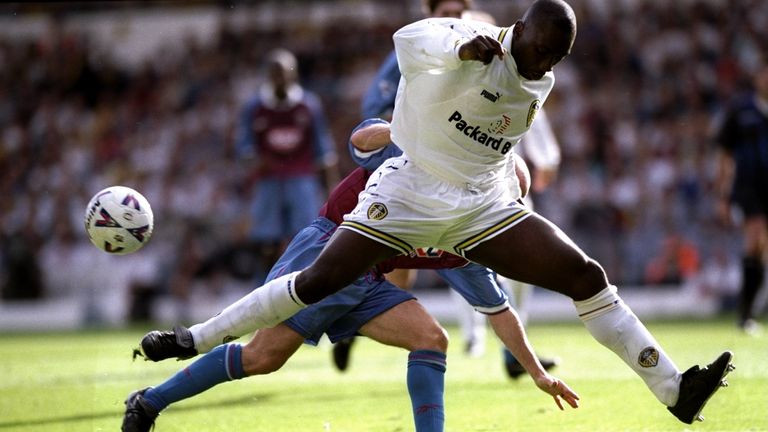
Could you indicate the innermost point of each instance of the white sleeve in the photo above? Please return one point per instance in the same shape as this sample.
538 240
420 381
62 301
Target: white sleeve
431 45
540 145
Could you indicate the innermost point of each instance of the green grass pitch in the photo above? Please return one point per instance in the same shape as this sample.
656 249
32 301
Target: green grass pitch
77 382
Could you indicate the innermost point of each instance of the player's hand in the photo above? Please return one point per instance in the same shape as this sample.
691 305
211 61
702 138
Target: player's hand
559 390
481 48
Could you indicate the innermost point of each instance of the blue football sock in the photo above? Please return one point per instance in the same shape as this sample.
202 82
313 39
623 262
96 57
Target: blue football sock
426 385
222 364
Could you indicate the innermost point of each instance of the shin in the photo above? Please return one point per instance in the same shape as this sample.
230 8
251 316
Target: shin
263 307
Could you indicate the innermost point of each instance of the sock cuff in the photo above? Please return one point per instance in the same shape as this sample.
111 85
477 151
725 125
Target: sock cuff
433 359
602 302
233 361
291 284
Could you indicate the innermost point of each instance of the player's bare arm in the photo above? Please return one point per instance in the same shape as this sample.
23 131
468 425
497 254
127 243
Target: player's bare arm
371 137
523 174
510 330
482 48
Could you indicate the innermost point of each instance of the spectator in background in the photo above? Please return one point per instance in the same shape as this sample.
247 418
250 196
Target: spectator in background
283 135
676 262
743 181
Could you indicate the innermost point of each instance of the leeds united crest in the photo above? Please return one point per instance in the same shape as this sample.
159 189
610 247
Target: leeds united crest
648 358
377 211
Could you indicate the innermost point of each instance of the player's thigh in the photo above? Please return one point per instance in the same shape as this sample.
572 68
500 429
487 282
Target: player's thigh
407 325
536 251
347 256
269 349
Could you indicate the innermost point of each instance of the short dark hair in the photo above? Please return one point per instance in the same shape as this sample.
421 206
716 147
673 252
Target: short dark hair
556 12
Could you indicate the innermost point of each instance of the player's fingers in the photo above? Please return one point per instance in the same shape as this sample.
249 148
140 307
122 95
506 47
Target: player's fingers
487 48
491 42
565 389
498 50
572 399
559 404
485 54
569 395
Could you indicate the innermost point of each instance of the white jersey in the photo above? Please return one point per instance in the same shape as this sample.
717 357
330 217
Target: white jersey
458 120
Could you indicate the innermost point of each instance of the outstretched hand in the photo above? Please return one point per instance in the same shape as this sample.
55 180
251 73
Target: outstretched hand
558 389
481 48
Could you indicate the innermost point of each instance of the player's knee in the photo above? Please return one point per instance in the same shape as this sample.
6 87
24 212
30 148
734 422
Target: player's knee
434 338
589 280
256 362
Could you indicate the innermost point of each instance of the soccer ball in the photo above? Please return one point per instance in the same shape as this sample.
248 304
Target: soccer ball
119 220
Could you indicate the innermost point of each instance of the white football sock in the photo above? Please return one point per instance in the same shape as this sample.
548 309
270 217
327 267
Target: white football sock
263 307
615 326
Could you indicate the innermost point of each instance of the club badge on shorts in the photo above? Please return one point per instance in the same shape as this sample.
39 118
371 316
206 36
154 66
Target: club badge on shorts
648 358
377 211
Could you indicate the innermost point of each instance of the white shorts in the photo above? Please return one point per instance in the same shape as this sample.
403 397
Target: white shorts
405 208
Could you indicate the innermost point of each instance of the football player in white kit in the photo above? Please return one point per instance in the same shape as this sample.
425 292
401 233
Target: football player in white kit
469 91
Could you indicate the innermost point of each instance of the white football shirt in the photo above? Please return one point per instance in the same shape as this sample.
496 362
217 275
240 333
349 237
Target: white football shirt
458 120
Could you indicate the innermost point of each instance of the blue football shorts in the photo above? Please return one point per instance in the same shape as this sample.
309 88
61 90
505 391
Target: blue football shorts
342 314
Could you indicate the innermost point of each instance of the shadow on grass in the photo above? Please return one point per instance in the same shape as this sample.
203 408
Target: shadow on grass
223 403
250 399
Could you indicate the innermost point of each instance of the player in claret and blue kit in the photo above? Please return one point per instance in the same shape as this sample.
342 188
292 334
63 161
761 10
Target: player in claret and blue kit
283 140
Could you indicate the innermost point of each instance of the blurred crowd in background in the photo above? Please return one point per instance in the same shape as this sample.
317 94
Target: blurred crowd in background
633 109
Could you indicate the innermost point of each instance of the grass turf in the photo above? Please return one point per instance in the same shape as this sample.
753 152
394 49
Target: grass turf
77 382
